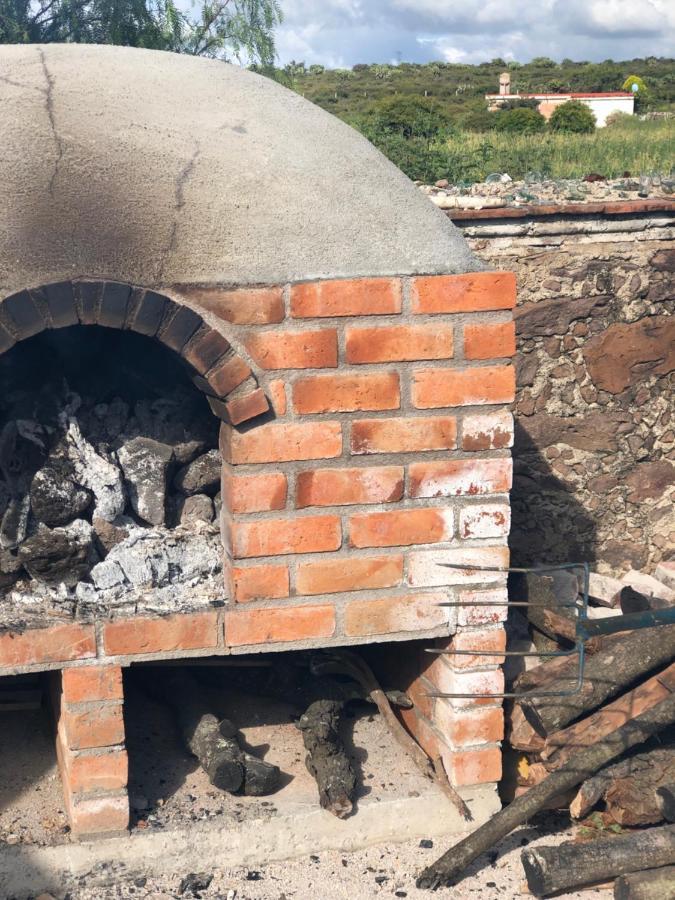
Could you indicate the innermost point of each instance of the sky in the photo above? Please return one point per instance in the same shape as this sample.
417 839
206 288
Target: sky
341 33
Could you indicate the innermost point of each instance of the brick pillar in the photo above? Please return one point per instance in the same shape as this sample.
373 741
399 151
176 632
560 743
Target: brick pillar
90 749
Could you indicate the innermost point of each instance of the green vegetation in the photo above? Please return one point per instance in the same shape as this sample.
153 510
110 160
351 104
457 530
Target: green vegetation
573 117
520 121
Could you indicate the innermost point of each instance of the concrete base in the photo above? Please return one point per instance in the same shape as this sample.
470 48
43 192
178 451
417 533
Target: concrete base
26 871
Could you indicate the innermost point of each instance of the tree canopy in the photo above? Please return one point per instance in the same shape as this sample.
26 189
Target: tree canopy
226 29
573 117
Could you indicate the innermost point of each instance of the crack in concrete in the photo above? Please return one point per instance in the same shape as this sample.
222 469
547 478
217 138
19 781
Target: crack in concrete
49 104
179 193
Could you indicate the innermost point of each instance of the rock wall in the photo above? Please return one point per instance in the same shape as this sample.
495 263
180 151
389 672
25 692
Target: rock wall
594 470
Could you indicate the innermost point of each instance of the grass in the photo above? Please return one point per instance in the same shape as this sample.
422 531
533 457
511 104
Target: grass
641 148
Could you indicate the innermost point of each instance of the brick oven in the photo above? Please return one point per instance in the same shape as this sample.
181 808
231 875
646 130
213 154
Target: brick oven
352 353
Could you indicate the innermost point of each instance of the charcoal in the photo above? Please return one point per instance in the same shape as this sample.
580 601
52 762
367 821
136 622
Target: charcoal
59 555
201 476
14 525
10 568
55 498
197 508
145 463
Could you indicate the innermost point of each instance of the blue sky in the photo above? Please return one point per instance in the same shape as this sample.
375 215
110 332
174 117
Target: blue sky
341 33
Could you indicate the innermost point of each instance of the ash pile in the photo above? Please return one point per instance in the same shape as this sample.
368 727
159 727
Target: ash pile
107 507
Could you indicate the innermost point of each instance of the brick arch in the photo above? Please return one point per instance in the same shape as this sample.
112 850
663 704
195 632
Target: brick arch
217 369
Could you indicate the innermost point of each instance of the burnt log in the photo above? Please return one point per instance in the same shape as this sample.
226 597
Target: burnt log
629 788
665 797
606 674
652 884
634 601
327 759
551 870
451 865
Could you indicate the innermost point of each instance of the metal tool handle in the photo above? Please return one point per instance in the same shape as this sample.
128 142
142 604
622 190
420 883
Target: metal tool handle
648 618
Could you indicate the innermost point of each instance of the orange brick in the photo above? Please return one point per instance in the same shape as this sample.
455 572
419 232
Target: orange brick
414 612
487 431
246 306
484 520
98 815
293 349
279 624
433 388
423 732
259 583
403 435
60 643
281 442
472 292
448 478
143 635
275 537
491 640
92 683
489 341
359 297
479 766
482 610
105 772
400 527
345 393
242 409
277 394
465 728
349 574
428 567
481 686
399 343
254 493
101 725
340 487
228 375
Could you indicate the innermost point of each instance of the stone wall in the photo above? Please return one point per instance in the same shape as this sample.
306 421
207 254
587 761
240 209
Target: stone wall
594 477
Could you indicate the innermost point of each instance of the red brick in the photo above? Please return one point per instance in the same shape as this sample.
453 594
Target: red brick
360 297
389 615
492 640
466 728
104 772
276 537
482 686
403 435
281 442
60 643
489 341
472 292
101 725
479 766
423 732
279 624
453 477
204 350
247 407
433 388
277 394
487 431
482 610
425 567
254 493
399 343
259 583
484 520
143 635
246 306
228 375
98 815
293 349
339 487
350 573
92 683
346 393
400 527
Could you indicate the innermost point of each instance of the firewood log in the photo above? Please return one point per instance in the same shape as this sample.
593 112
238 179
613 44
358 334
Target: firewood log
446 869
652 884
327 760
629 788
552 870
666 799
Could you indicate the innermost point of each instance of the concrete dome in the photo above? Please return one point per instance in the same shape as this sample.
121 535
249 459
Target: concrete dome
153 168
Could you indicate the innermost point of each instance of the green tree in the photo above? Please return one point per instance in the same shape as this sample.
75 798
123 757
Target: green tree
520 121
574 117
411 116
636 86
226 29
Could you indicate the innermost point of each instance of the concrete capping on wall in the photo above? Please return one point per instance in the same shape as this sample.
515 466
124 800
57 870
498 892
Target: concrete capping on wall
536 211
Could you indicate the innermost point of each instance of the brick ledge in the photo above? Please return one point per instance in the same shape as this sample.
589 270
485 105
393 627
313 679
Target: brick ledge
605 208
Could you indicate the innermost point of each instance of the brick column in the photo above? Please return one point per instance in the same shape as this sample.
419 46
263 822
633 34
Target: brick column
90 749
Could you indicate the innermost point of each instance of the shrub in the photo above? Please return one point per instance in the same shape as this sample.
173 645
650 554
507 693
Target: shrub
573 117
411 116
520 121
479 120
636 86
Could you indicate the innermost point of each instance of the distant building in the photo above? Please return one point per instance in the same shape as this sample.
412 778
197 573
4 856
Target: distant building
602 104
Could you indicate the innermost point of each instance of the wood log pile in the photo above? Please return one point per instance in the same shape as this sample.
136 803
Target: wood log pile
605 748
